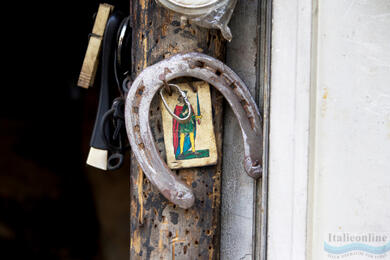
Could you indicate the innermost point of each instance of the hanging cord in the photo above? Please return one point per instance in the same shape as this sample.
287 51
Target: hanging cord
117 142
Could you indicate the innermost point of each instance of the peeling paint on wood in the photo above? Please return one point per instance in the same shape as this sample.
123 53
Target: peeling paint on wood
165 231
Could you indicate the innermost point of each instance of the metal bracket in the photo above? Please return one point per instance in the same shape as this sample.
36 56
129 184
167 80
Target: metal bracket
137 107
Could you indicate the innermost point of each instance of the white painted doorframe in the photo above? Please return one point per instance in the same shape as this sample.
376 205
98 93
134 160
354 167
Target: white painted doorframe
289 129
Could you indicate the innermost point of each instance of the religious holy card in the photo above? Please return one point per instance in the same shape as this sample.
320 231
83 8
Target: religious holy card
189 144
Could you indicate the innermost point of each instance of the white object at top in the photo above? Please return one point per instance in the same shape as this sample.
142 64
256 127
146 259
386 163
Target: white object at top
193 3
191 8
205 13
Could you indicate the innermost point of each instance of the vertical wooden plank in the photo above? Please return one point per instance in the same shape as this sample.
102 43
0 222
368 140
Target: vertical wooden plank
238 218
159 229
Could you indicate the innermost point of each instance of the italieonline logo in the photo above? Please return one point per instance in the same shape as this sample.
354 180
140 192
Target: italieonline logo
368 245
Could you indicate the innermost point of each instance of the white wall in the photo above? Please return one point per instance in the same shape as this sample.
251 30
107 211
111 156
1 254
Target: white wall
351 168
329 154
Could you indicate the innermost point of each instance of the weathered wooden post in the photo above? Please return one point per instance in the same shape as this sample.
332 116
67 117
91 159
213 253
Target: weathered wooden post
159 229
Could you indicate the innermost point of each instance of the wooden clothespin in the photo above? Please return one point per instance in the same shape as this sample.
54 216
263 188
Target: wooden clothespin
91 59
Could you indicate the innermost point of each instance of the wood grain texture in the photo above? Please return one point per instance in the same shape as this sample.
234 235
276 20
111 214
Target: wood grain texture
102 15
91 59
159 229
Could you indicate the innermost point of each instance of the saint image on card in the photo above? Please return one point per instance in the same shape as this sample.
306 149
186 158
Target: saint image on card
191 143
184 134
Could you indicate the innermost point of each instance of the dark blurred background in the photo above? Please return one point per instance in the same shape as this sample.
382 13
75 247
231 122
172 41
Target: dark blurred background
53 206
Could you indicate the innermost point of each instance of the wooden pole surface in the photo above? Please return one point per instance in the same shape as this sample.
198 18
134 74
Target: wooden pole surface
159 229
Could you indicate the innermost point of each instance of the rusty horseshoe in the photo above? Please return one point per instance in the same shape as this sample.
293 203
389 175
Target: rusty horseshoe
217 74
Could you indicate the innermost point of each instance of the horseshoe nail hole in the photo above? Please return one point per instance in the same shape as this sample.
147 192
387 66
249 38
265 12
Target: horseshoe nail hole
250 118
196 243
140 91
155 225
218 73
170 234
187 231
174 206
199 64
185 250
208 232
210 247
244 103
